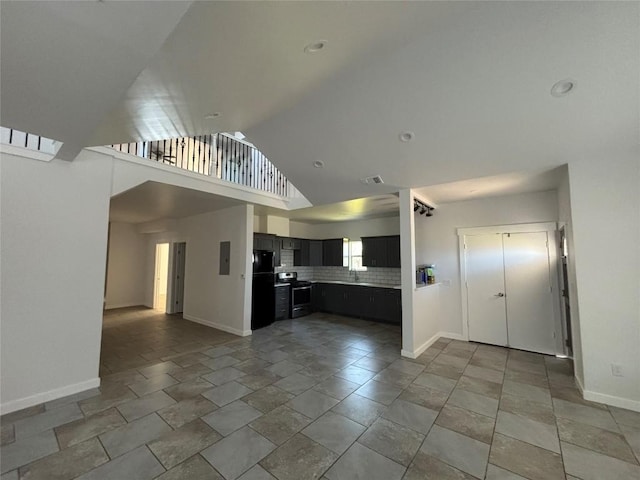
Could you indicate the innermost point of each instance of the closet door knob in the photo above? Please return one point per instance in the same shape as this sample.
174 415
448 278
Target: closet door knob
499 294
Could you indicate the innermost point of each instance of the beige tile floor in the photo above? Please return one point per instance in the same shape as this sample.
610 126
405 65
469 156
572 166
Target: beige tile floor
317 397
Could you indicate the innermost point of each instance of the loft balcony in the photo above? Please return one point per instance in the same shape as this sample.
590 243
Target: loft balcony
218 155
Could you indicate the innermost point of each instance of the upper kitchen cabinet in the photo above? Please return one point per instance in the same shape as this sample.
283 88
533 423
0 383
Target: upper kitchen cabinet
393 251
332 252
309 254
290 243
381 251
264 241
315 253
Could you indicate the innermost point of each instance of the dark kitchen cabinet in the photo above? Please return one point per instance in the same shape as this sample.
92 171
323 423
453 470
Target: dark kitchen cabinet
382 304
374 252
386 304
309 254
315 253
357 301
317 297
381 251
393 251
334 298
301 256
283 302
289 243
264 241
332 252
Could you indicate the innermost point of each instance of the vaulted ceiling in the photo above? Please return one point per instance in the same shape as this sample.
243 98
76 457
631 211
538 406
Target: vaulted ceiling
470 80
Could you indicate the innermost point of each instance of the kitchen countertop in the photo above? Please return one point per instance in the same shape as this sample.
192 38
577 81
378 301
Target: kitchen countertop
282 284
359 284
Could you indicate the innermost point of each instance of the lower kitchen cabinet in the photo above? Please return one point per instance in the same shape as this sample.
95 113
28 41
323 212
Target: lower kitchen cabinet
283 302
386 304
383 304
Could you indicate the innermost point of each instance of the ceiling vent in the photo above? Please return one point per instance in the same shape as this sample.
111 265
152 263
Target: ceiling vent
376 179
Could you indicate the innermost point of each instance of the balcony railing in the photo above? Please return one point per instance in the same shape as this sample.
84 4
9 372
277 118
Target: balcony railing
217 155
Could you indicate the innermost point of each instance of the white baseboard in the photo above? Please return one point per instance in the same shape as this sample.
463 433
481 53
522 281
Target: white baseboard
219 326
418 351
54 394
608 399
612 400
453 336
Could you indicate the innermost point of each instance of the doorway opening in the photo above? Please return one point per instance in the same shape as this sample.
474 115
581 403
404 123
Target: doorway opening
564 258
161 279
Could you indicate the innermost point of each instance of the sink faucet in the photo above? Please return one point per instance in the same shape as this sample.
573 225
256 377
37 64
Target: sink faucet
355 276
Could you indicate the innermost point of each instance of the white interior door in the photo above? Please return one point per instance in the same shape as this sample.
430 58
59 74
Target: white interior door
485 289
528 288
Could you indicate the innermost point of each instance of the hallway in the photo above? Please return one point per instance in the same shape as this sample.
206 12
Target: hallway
317 397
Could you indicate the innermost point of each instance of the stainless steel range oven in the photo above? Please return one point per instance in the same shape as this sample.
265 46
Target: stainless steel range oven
300 294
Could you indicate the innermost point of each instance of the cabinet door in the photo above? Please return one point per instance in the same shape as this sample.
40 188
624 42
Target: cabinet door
358 301
315 253
262 241
289 243
302 253
368 251
332 252
374 251
276 251
282 302
393 251
317 297
387 305
334 298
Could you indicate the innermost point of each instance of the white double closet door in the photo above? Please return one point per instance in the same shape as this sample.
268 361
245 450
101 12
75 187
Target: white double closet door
509 295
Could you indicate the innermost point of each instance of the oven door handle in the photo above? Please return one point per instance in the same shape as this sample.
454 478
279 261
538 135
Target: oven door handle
302 288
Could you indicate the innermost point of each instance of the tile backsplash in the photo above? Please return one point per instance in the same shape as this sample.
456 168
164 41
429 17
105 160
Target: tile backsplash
387 276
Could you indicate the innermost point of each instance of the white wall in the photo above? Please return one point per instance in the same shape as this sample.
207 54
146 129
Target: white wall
54 220
352 229
126 266
437 241
605 207
221 301
218 300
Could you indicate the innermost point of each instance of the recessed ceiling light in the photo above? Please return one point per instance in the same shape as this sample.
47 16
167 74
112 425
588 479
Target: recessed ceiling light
211 116
406 136
315 47
318 164
563 87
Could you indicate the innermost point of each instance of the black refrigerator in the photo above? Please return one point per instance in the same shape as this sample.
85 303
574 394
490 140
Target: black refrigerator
262 291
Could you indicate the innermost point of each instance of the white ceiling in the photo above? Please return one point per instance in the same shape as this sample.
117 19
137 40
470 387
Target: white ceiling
470 79
494 186
356 209
154 201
